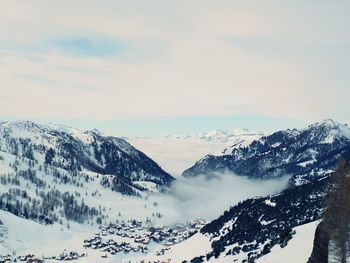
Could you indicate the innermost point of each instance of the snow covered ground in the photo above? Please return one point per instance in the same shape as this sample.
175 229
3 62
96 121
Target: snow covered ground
30 237
298 250
195 246
26 236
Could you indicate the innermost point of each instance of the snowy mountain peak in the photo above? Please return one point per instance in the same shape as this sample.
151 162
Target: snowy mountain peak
219 132
306 154
228 136
28 129
217 135
64 128
75 150
33 127
242 131
85 136
329 124
329 130
72 130
23 125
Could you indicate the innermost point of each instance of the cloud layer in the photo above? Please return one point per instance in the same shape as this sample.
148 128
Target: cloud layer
143 59
207 198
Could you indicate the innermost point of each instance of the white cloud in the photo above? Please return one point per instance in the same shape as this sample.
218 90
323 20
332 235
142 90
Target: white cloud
176 155
183 58
206 197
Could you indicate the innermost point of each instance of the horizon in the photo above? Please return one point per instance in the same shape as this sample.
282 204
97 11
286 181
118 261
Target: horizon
111 128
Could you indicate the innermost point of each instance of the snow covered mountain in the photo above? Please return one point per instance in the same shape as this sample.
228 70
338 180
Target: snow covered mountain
50 174
305 154
260 229
66 183
177 152
236 139
76 150
252 228
232 137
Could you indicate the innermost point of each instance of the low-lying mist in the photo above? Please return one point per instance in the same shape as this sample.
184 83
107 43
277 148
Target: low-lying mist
207 198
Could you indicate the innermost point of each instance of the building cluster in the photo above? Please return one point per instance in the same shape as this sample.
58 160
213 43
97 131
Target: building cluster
30 258
68 256
112 246
135 236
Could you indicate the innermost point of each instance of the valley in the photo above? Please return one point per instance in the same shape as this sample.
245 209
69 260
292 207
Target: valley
69 194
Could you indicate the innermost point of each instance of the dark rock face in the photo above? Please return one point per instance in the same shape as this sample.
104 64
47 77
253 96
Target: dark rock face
306 154
320 248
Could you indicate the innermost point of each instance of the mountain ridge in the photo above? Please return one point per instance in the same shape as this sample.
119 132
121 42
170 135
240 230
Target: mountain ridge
304 154
75 149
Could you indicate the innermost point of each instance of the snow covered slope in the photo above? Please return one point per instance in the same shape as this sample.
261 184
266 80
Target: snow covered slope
175 153
307 154
298 249
76 150
26 236
52 175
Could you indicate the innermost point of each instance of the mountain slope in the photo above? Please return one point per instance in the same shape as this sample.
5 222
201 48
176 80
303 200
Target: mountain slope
306 154
52 175
75 150
252 228
298 249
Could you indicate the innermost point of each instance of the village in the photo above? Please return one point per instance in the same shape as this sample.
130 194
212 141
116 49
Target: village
127 238
136 237
31 258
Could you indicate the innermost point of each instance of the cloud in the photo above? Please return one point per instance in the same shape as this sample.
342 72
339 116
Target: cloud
207 197
164 59
176 155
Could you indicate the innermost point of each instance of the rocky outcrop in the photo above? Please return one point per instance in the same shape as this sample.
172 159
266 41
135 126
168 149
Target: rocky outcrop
320 249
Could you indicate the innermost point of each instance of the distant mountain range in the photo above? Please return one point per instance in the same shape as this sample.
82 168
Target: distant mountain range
307 154
221 136
176 153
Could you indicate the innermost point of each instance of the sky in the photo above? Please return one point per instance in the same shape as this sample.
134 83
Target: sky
136 68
